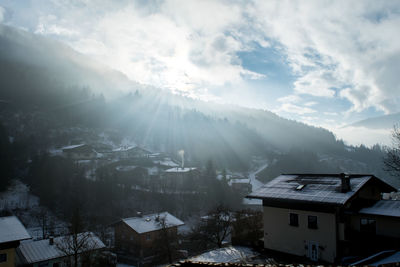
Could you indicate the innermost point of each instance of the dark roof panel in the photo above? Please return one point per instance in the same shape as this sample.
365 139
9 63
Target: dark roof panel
321 188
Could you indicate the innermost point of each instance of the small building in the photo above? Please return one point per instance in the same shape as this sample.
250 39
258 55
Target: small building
328 216
127 152
81 151
181 178
54 252
166 163
11 233
137 235
242 185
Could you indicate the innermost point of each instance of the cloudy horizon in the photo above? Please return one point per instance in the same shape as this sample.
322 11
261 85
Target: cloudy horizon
325 63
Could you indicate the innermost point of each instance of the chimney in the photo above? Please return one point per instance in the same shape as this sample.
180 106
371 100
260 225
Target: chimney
51 240
139 214
345 183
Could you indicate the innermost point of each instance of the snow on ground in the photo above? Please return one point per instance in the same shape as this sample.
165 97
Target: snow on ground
125 168
153 170
17 196
228 254
190 223
18 200
55 152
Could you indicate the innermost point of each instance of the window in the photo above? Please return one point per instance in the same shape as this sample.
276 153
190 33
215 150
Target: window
368 225
3 257
148 237
312 222
293 219
43 264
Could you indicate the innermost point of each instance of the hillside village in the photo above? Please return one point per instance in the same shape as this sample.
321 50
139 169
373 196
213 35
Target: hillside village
296 218
143 171
134 205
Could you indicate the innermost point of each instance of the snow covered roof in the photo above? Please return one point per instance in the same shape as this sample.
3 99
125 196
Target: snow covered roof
72 146
149 223
226 255
167 162
179 170
125 168
323 188
11 229
128 148
38 251
124 148
384 208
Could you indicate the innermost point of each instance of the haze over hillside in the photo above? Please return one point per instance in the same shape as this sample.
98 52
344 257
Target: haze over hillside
66 89
381 122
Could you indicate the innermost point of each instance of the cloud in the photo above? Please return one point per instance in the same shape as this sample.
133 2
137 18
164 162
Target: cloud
310 104
362 135
331 113
289 99
352 48
2 14
181 45
336 50
296 109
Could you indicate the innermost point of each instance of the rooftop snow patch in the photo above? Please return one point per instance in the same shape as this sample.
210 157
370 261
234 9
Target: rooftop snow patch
166 162
72 147
11 229
151 222
383 208
177 169
42 250
124 148
323 188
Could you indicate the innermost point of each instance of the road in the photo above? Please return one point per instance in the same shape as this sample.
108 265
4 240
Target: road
255 185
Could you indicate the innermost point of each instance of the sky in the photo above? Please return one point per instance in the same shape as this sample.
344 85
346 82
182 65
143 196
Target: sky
325 63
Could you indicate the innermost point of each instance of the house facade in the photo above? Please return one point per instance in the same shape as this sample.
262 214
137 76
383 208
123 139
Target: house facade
181 178
323 217
79 152
11 233
138 235
128 152
242 186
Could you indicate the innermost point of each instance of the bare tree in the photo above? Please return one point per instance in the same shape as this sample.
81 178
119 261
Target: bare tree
247 229
166 245
42 217
78 245
215 227
392 159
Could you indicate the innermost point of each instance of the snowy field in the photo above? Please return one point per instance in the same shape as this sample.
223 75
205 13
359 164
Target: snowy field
20 202
17 196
